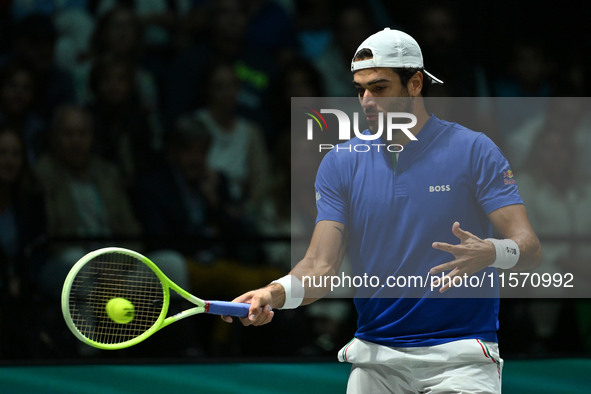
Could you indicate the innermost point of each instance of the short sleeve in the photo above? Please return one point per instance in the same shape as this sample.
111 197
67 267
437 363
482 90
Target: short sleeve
331 199
493 178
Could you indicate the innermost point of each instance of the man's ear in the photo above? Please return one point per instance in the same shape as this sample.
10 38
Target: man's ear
415 84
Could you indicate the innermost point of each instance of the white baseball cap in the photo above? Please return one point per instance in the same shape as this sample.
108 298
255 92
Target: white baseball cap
392 48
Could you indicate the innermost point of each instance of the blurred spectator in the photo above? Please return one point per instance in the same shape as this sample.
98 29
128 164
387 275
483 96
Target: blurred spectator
352 25
122 131
75 26
118 36
313 22
526 73
34 44
85 195
296 78
22 230
270 29
528 69
238 149
17 98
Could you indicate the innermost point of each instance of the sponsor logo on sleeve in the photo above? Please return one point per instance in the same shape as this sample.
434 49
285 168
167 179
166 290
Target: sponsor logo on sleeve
508 177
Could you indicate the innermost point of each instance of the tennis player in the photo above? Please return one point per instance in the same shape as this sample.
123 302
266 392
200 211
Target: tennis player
429 209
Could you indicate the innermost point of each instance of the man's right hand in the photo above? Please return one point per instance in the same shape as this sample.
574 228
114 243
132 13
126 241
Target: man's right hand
260 301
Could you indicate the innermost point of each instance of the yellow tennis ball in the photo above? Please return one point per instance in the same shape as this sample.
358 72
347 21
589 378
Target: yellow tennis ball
120 310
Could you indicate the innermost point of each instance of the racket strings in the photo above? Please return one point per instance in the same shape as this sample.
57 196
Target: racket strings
108 276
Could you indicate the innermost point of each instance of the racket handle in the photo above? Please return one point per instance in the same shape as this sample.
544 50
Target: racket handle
237 309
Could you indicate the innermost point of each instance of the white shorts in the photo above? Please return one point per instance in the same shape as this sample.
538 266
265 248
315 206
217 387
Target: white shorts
463 366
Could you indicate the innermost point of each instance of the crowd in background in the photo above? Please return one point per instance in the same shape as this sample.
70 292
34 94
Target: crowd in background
164 126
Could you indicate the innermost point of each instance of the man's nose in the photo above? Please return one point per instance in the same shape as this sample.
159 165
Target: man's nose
368 100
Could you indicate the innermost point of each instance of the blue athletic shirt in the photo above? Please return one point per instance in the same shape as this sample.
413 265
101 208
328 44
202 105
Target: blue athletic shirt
450 174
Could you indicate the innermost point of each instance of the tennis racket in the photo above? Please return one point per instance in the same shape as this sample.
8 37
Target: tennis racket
116 273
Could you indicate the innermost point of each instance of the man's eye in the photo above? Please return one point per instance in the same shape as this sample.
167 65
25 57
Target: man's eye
379 88
360 92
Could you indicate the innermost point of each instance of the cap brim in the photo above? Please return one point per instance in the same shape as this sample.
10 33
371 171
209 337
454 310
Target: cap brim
433 78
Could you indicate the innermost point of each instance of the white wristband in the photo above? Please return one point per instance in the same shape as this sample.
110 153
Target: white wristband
294 291
507 253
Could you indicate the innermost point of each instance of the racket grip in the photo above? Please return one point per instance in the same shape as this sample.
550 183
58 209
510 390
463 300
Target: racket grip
237 309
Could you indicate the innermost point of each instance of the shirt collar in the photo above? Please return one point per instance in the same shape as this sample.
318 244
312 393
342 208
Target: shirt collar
413 148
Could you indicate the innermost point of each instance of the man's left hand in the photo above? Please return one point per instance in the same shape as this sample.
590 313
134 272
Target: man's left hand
472 254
